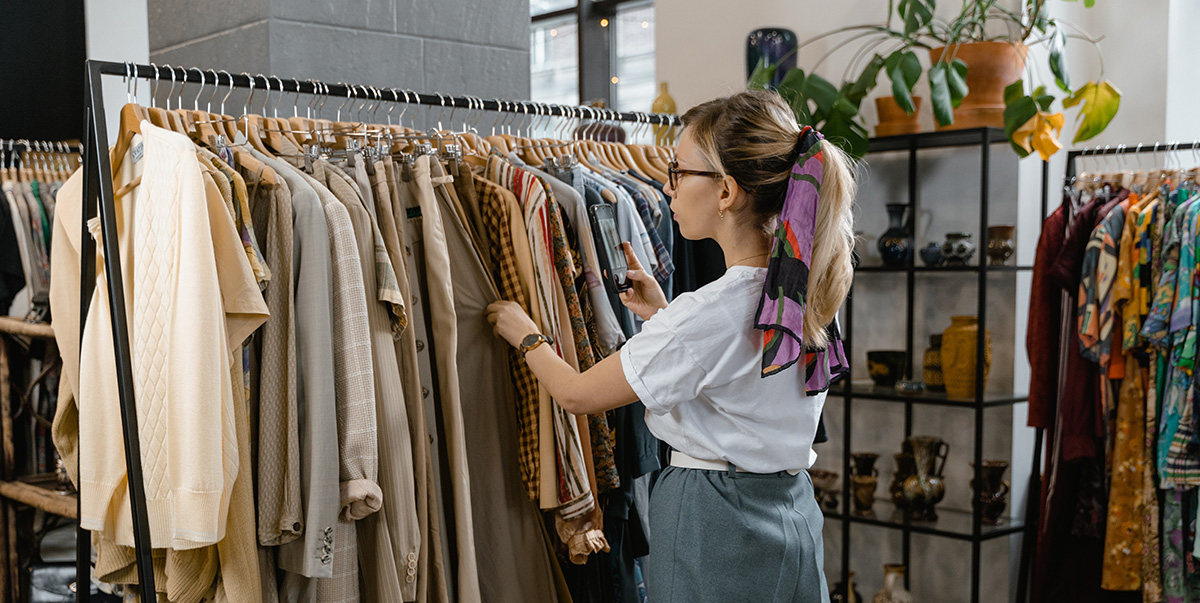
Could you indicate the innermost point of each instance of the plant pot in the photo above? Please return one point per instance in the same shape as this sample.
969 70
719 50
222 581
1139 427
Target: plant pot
991 67
894 121
959 356
993 493
957 249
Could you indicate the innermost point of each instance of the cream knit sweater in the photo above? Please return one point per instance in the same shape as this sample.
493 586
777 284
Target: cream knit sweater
184 319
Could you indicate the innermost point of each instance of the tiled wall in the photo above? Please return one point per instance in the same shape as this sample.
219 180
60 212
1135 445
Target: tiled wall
449 46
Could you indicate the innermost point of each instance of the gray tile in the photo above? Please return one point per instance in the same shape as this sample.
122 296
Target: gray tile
374 15
237 50
456 68
333 54
175 22
503 23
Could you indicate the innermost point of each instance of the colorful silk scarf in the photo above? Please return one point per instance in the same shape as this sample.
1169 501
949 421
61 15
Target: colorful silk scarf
785 290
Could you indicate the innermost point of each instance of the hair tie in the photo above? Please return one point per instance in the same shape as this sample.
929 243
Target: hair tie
781 309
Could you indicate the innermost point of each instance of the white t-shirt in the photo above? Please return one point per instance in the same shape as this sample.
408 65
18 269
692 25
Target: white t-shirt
697 366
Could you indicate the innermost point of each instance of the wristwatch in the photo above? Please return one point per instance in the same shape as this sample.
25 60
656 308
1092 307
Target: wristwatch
532 341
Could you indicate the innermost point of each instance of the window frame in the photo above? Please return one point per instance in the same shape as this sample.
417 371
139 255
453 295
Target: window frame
595 68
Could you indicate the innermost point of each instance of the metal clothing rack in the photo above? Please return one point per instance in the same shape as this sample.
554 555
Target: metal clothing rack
99 197
1124 149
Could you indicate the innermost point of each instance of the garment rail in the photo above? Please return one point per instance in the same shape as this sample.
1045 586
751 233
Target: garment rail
1125 149
99 198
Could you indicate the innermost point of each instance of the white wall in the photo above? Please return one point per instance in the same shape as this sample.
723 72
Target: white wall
118 30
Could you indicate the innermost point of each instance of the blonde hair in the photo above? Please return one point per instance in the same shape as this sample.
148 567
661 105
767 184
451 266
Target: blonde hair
753 137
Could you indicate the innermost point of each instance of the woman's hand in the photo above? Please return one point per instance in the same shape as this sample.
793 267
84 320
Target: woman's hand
510 322
646 297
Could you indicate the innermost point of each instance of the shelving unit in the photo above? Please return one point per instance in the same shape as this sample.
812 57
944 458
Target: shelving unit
36 491
952 524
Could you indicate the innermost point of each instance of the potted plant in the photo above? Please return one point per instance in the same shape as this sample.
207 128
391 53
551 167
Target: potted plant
977 60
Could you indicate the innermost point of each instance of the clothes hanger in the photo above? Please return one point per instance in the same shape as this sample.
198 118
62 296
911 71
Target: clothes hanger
129 119
202 128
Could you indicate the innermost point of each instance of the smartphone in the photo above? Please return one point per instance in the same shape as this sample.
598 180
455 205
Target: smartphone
608 243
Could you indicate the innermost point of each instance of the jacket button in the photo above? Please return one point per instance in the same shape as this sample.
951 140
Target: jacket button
420 345
412 557
410 579
424 392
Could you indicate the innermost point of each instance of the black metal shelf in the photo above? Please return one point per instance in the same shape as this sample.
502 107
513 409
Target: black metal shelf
968 269
887 394
936 140
951 523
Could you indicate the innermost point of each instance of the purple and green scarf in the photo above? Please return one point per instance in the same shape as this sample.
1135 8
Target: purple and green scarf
785 290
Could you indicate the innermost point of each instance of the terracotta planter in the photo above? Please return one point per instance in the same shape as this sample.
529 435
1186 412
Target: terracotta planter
893 121
991 67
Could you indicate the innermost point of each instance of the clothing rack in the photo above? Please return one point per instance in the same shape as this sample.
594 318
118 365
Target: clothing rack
1124 149
99 197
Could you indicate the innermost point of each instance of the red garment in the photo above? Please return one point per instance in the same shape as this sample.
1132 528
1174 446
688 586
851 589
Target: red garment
1042 335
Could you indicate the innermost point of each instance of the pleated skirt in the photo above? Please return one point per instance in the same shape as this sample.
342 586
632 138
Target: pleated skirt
723 536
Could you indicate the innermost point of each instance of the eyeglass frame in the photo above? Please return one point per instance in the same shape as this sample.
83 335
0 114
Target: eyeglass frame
674 173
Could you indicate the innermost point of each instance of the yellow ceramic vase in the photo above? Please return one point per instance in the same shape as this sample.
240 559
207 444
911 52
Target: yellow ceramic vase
959 356
663 103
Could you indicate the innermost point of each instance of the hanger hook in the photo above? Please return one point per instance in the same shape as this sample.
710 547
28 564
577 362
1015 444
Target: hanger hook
154 89
228 92
216 87
196 101
172 90
128 82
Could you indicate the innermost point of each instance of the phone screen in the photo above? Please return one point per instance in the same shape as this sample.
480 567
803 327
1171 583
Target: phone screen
612 246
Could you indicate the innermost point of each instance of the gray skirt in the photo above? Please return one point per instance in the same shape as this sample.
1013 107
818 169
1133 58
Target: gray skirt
727 537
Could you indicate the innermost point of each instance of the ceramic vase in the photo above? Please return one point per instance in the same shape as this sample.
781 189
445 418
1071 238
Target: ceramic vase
925 488
841 594
775 45
1000 244
893 120
957 249
931 254
893 590
993 492
959 357
864 463
991 67
886 366
933 365
825 488
905 467
663 103
895 244
863 487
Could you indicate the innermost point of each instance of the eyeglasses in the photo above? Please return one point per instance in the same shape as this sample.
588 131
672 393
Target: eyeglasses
674 173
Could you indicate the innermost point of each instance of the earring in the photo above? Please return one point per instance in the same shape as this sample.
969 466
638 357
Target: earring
721 213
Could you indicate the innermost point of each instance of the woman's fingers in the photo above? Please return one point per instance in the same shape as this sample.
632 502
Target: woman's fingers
630 258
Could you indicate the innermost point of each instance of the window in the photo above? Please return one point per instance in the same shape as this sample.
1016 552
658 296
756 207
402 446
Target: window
584 50
635 89
554 61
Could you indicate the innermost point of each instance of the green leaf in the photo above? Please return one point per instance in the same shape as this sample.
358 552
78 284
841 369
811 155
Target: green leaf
1058 60
1014 91
762 75
1016 113
956 78
904 69
821 92
1089 3
867 80
842 130
1042 99
1100 104
916 14
939 91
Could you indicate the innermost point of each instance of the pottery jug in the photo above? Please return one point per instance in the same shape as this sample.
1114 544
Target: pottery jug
864 463
893 586
957 249
993 492
905 467
959 356
825 488
931 254
933 365
895 244
841 594
864 493
925 488
1000 244
663 103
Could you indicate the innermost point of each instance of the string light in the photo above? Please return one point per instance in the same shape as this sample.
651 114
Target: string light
645 25
603 22
553 33
615 79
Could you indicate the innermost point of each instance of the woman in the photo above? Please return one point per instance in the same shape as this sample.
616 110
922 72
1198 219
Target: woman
734 517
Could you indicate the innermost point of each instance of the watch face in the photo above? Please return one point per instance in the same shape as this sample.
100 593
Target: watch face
530 340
